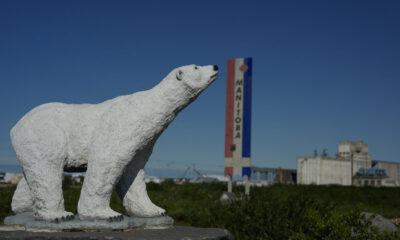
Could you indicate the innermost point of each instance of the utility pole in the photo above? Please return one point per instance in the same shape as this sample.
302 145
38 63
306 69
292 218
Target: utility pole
229 183
352 163
246 185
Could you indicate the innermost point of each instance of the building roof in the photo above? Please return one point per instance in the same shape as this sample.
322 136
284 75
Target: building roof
383 161
323 158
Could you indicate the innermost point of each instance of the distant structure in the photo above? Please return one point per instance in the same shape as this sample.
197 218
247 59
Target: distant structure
10 178
322 170
356 153
263 174
351 166
392 170
268 176
199 177
287 176
238 120
372 177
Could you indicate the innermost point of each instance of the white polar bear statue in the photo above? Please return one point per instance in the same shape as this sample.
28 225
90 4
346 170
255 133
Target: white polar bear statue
112 140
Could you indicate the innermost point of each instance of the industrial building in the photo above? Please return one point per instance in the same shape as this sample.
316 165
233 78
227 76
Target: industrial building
10 178
352 165
321 170
392 170
273 175
376 177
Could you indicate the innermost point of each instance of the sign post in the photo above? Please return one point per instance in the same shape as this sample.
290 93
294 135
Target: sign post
238 119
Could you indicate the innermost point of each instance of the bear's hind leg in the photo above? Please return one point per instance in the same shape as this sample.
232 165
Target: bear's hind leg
22 200
132 187
137 202
45 184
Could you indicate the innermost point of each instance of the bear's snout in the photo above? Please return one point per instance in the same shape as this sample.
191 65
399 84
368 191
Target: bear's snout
215 67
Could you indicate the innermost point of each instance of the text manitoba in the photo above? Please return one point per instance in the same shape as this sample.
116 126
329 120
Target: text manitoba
238 107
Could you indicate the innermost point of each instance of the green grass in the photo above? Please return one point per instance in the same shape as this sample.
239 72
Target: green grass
276 212
6 194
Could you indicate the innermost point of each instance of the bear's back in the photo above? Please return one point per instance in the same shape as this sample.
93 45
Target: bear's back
77 122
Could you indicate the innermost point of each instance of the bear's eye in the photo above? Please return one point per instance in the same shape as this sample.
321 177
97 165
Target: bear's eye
195 67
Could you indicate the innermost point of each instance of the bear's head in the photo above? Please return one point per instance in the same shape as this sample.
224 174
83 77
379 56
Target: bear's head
194 78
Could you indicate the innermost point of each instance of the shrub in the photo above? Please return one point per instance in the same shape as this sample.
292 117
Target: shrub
276 212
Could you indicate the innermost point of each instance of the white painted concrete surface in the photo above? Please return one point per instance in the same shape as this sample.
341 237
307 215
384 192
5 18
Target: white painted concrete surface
114 139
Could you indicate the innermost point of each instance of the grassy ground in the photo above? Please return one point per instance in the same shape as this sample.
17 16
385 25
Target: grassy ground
276 212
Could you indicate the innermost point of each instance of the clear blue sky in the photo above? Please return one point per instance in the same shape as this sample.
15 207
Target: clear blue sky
324 71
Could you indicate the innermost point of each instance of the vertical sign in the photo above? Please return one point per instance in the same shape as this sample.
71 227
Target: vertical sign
238 117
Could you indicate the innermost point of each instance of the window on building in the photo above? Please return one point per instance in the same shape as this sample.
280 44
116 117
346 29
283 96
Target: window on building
358 149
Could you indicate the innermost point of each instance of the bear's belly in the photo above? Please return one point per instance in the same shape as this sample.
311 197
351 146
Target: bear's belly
76 162
79 137
78 150
75 167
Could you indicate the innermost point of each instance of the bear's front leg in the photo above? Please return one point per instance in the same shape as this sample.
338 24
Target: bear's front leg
100 179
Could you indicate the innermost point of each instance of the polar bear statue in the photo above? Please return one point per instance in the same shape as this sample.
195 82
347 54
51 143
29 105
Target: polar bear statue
111 140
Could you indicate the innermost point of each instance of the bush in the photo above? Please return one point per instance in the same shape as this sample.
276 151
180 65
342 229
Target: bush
6 194
276 212
292 218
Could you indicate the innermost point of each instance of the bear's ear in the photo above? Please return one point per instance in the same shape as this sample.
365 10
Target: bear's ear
179 75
